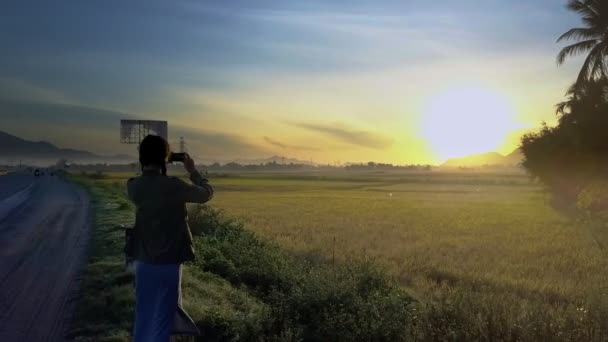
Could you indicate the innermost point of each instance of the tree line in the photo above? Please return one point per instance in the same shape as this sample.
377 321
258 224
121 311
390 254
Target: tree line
571 158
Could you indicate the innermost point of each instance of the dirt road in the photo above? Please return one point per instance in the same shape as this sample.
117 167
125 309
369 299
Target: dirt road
44 228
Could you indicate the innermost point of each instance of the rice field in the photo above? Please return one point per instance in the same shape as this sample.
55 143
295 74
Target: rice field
488 249
490 240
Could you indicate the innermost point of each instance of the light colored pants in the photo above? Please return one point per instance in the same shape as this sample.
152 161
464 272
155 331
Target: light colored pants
156 298
158 311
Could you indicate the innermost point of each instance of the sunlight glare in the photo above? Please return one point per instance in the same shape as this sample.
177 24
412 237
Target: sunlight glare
466 121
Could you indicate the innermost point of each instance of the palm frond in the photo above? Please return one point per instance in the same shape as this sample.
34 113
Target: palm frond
580 33
583 7
604 59
572 90
562 107
592 66
597 6
583 75
599 62
575 49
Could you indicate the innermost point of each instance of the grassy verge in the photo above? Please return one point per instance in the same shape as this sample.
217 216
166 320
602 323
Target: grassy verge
248 289
309 299
241 287
105 308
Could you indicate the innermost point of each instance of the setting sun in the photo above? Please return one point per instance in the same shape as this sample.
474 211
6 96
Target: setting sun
466 121
288 170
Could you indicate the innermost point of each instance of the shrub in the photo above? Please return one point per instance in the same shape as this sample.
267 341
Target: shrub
309 301
97 175
566 157
593 198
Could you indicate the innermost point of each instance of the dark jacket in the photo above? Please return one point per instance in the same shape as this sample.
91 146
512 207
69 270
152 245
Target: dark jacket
161 234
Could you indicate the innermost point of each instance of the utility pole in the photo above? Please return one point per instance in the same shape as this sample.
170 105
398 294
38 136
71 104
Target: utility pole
182 145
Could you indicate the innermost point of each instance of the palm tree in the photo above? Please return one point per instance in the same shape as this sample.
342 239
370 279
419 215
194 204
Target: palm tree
590 93
593 38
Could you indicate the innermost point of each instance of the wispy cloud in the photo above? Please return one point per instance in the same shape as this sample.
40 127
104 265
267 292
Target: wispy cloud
42 112
277 143
66 125
96 129
17 89
216 145
233 72
351 136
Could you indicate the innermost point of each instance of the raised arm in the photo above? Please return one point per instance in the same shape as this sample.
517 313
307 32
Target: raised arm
199 191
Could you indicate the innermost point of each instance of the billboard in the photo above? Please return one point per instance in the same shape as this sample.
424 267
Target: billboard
133 131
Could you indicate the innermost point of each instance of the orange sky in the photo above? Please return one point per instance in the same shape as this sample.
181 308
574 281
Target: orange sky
398 82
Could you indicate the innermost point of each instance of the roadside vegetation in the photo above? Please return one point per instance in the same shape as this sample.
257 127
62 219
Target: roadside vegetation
571 158
395 256
366 256
486 255
104 308
241 288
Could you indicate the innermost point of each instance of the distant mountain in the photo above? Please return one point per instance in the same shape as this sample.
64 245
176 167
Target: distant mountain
13 148
486 159
275 159
514 158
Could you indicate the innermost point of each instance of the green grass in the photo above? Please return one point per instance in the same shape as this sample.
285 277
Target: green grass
485 255
105 309
241 288
509 265
103 312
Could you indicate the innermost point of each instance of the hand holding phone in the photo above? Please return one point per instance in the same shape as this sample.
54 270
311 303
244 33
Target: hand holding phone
189 163
183 158
177 157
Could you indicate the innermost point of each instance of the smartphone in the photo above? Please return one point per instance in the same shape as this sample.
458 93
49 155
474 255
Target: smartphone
177 157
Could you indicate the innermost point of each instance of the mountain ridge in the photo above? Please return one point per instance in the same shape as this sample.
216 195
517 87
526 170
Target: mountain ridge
13 148
16 148
486 159
276 159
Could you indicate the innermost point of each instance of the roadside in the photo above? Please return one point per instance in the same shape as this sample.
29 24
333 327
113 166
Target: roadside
105 309
44 229
241 288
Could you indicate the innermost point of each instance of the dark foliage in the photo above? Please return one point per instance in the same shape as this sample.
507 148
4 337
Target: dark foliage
572 155
591 38
571 158
309 301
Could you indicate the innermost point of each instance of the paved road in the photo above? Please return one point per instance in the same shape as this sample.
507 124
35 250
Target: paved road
44 228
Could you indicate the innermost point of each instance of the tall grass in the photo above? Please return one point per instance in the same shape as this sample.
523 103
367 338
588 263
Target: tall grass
241 288
105 307
486 260
104 310
483 263
310 301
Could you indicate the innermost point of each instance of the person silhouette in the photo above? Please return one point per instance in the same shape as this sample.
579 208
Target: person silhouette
162 241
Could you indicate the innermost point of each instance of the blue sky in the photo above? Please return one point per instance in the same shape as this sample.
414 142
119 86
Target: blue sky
234 72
